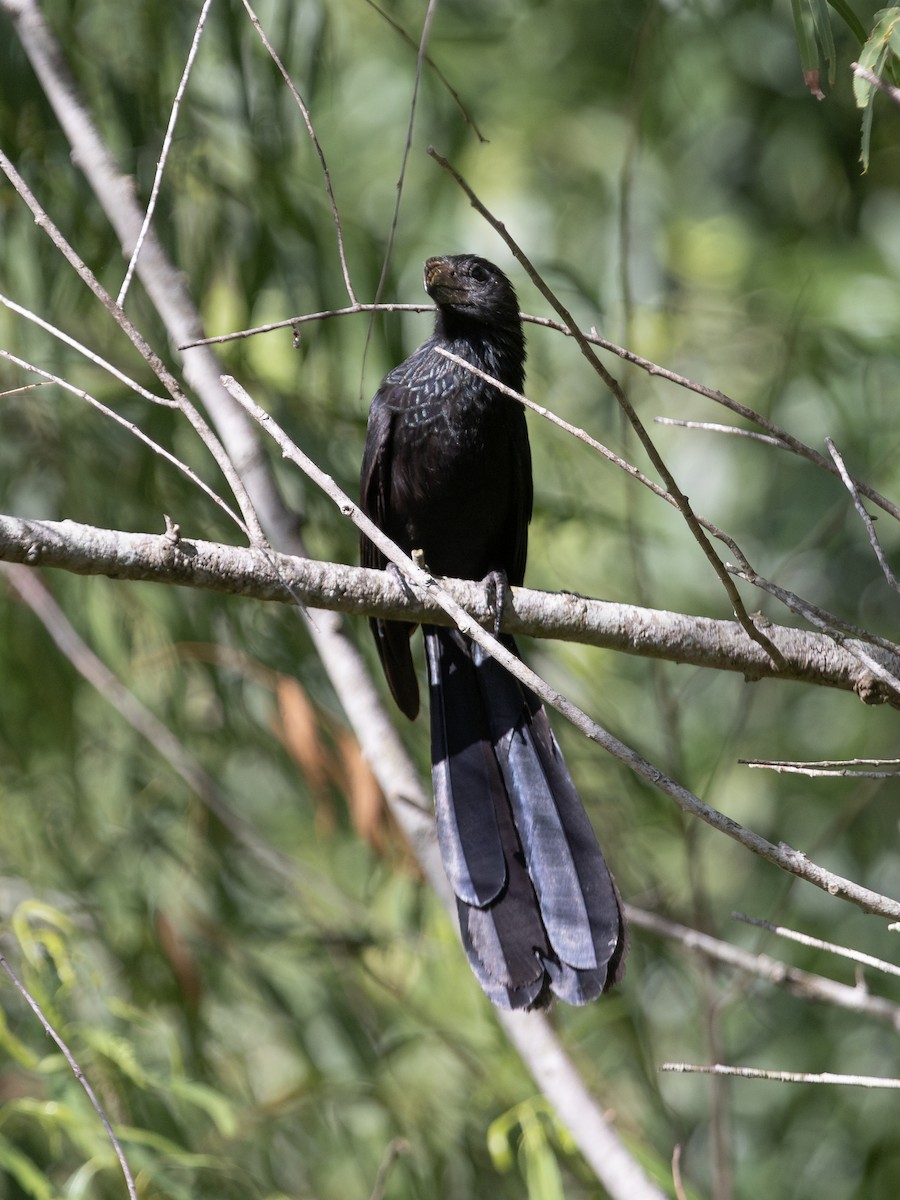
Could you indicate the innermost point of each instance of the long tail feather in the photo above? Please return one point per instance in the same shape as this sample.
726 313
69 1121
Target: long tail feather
538 909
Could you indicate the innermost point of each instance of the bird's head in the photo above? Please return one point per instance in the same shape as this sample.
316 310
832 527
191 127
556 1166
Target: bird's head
471 287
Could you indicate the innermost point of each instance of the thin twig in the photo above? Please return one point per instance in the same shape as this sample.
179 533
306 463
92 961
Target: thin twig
715 427
89 354
454 95
307 120
825 1077
395 1148
805 985
290 322
164 153
811 771
133 429
77 1072
867 521
575 430
871 77
821 762
829 624
677 1181
407 146
815 943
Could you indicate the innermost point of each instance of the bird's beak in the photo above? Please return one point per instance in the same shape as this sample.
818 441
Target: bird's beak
442 282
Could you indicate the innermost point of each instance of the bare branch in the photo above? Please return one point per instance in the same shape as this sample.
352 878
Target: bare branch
133 429
250 523
734 430
172 558
867 521
781 435
556 1075
824 770
826 1077
290 322
89 354
407 145
163 283
802 984
804 939
831 624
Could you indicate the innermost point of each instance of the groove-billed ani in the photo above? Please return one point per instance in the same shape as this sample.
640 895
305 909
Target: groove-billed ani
447 471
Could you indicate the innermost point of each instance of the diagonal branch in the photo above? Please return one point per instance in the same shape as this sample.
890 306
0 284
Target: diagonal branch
625 404
781 855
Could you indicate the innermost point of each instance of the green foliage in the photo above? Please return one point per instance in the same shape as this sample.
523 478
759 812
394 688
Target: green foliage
880 55
257 1035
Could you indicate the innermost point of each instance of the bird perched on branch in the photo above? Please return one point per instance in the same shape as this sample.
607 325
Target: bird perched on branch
447 473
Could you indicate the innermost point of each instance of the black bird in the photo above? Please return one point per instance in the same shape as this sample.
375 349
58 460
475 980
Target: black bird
447 471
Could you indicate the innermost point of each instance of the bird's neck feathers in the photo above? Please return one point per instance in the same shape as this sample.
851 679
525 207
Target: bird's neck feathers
496 345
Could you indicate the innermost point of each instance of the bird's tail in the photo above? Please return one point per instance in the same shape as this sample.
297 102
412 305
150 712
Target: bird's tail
538 909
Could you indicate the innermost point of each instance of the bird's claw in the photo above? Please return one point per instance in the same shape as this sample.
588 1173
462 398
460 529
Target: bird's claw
496 587
401 581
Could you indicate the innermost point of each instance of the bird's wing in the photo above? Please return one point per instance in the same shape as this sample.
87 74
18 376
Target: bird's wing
391 637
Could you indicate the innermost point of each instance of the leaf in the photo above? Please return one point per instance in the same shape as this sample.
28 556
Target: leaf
850 19
883 42
824 35
806 42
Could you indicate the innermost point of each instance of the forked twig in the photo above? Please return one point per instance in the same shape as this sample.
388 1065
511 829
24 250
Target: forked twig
454 95
837 769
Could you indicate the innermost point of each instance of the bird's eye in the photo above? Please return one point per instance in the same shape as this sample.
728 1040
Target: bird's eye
478 273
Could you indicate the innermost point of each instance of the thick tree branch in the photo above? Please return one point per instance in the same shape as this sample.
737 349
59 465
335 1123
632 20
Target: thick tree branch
236 570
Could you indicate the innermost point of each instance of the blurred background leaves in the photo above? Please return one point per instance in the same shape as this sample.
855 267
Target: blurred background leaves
667 169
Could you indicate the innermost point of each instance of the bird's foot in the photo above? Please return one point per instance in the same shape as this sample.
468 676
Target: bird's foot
401 581
496 587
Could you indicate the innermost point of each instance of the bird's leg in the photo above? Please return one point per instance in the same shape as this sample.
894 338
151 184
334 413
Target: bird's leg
496 588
